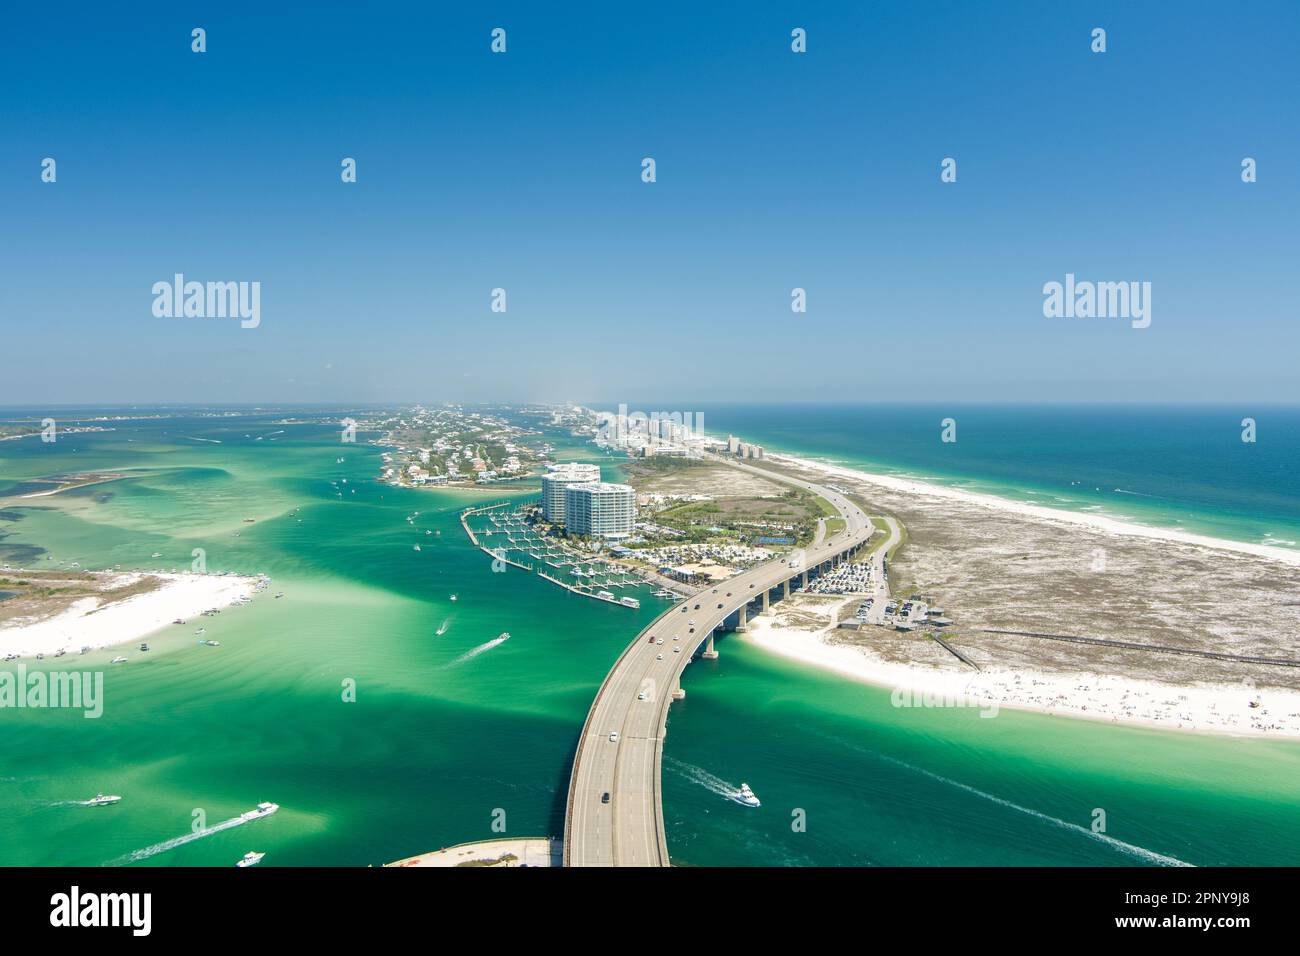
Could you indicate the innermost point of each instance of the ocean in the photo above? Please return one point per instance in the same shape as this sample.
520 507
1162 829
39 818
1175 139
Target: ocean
451 733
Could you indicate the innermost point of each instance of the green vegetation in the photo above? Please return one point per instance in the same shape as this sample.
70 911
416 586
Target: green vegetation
503 858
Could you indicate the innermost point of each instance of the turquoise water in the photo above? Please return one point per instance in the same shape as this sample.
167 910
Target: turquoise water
1182 467
437 742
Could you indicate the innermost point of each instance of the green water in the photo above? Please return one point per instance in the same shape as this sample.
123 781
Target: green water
437 747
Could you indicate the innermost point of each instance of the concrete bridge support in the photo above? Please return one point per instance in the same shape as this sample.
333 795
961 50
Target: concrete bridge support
767 599
805 580
709 653
742 618
785 588
678 692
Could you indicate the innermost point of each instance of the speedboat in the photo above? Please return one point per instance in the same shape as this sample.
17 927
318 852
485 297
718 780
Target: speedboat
263 810
211 643
100 800
746 796
11 657
250 859
144 647
118 660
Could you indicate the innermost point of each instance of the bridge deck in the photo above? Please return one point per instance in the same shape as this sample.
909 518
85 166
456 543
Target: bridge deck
633 702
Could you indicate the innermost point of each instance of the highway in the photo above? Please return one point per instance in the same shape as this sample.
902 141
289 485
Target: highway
614 815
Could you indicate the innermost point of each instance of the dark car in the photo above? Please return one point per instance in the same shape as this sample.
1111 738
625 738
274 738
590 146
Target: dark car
604 797
652 638
719 604
697 607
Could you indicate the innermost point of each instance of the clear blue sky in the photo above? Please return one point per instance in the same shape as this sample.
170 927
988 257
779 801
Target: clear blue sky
775 170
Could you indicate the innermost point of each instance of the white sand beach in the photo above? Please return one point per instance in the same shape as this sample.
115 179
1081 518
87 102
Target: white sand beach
86 624
1086 519
1223 709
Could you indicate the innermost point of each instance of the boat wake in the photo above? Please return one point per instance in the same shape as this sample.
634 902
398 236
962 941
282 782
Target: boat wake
137 855
1137 852
705 779
482 648
443 628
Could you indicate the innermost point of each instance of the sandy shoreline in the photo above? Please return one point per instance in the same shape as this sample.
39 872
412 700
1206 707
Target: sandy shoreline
1096 522
85 624
1205 708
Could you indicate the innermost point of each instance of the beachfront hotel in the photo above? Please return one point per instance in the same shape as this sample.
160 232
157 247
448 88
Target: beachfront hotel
599 509
559 478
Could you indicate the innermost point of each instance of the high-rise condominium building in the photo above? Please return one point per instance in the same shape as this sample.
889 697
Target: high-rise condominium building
557 480
599 509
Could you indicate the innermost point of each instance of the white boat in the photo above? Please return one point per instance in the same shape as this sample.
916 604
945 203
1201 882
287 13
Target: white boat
263 810
453 597
746 796
250 859
11 657
211 643
629 602
118 660
100 800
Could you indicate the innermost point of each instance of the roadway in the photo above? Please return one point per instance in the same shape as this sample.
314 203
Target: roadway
633 702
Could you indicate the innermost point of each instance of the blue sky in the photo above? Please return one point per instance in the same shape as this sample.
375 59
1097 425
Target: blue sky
775 170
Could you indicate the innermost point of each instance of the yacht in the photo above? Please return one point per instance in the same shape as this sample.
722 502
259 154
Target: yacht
11 657
250 859
263 810
211 643
100 800
746 796
629 602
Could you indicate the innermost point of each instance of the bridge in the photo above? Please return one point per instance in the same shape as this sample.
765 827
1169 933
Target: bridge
614 815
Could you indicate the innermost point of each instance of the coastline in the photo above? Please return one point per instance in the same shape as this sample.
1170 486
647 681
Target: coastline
1096 522
182 596
1207 708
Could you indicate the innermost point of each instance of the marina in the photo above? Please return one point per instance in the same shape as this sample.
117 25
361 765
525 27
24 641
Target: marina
515 542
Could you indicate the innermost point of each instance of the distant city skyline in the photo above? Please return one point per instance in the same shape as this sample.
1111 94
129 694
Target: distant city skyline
775 171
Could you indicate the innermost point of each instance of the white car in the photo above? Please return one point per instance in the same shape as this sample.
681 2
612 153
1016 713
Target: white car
613 737
690 623
659 657
641 696
659 640
677 649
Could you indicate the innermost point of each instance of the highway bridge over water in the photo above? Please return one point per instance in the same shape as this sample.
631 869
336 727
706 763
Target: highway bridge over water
614 815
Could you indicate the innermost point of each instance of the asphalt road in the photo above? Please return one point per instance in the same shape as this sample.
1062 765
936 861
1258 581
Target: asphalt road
633 701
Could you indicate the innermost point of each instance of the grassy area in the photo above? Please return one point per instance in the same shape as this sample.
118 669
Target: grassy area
791 514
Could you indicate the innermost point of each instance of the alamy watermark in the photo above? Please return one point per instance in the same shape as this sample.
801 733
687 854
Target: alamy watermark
1098 300
39 690
208 300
